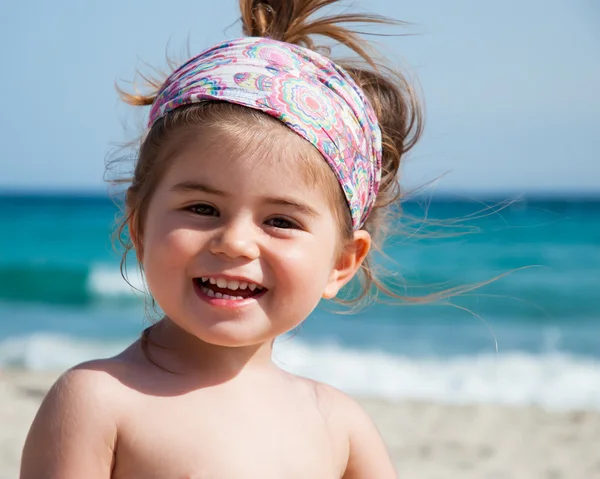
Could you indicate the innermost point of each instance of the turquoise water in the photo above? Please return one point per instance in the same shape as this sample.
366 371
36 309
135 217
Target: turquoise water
62 300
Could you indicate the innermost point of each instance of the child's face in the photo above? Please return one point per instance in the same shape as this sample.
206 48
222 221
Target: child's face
239 210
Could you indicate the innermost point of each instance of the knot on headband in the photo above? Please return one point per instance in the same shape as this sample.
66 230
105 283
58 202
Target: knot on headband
306 91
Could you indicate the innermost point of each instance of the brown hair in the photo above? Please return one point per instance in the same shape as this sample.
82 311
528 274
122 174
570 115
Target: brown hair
390 93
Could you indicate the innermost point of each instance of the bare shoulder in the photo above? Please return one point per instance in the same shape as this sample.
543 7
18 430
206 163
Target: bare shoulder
96 383
75 429
88 386
344 404
368 455
101 384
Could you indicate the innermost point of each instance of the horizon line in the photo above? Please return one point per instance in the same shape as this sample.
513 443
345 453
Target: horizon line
454 194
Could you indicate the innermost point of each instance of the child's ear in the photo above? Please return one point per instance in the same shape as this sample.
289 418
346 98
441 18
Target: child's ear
349 262
134 235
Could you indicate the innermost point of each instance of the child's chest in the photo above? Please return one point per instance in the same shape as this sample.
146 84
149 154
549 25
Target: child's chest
229 439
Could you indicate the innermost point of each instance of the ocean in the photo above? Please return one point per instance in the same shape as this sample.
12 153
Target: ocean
532 336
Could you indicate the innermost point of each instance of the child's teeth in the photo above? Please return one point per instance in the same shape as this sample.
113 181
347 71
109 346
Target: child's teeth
232 285
212 294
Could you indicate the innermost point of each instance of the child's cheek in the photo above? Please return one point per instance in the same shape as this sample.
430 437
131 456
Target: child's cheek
306 265
171 242
181 246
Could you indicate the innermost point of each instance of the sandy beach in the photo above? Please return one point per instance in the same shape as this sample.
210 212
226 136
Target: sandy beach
426 440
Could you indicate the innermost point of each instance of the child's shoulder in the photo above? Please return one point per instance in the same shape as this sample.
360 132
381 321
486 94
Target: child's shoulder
100 384
75 430
337 404
332 395
97 385
366 449
98 372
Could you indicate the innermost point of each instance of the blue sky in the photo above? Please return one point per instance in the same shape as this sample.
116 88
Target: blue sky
512 88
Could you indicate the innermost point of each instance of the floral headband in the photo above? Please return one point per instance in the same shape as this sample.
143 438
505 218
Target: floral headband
306 91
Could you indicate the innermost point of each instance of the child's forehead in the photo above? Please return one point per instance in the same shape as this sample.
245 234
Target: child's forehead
254 162
271 137
252 147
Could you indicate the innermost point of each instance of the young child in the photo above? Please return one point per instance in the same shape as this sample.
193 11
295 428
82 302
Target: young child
260 187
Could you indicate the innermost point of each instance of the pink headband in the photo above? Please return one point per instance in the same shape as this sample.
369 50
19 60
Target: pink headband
306 91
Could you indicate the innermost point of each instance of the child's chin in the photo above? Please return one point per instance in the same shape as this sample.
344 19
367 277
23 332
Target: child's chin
234 335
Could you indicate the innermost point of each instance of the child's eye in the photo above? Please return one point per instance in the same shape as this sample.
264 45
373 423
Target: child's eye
282 223
203 210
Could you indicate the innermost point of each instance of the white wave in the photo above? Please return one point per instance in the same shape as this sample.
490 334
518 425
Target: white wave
52 352
554 380
106 281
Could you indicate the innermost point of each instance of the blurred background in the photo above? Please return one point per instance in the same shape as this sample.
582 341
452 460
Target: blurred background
507 176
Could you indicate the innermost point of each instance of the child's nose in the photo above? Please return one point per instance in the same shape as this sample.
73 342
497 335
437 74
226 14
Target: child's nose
236 239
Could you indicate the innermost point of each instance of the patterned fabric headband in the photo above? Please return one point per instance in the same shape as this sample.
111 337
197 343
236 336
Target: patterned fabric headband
306 91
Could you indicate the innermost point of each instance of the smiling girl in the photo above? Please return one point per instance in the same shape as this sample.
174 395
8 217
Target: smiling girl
261 183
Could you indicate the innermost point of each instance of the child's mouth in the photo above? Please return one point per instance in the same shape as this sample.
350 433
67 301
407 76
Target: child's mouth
221 288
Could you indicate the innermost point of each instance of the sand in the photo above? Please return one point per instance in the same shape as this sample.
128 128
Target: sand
426 440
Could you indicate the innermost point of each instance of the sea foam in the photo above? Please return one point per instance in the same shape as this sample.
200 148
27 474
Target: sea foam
554 380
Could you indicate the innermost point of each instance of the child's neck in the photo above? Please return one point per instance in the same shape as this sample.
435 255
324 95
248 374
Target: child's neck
186 354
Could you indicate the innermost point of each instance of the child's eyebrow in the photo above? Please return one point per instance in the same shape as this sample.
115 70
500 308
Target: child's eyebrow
193 186
303 207
282 201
